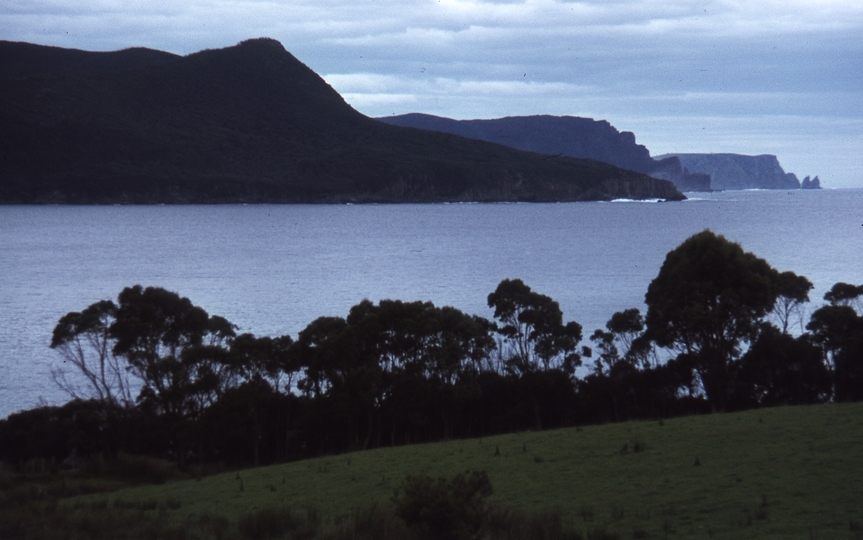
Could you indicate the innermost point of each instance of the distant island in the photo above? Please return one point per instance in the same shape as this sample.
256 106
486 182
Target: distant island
248 123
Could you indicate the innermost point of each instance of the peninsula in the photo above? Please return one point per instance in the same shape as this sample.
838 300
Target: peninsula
578 137
570 136
248 123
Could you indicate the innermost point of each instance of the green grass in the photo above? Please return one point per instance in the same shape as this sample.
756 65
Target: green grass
787 472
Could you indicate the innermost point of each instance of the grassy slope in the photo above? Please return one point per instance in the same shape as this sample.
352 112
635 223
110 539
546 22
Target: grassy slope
804 462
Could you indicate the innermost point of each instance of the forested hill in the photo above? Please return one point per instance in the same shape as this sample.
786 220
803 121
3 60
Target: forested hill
248 123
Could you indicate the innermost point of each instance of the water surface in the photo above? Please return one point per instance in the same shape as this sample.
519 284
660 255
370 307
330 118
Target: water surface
272 269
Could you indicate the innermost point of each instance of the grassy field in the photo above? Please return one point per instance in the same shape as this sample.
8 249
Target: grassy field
788 472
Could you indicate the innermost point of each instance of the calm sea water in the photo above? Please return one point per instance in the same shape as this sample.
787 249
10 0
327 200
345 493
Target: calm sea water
273 269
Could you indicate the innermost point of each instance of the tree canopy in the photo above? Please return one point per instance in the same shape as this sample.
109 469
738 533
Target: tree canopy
532 326
153 373
706 301
90 368
174 347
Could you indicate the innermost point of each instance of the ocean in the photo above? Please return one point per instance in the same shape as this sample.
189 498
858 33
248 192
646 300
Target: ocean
272 269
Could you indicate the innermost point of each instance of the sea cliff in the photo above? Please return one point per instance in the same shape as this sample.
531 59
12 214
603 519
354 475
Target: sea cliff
736 171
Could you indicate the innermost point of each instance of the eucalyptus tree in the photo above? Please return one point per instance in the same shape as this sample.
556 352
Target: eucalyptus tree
780 369
845 294
532 328
268 359
420 339
340 379
90 370
262 366
393 366
615 343
838 329
179 352
154 341
793 293
330 359
706 303
425 355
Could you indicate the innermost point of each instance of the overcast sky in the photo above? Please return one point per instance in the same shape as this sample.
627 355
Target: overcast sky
780 77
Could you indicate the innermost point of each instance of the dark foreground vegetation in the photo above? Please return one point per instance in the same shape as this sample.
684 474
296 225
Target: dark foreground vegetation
772 473
162 390
155 375
422 508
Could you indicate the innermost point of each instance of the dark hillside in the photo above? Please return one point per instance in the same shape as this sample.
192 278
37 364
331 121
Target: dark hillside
563 135
21 60
244 123
568 135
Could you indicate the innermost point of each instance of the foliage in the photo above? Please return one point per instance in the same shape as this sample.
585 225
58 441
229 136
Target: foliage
623 329
264 358
838 329
399 372
441 508
780 369
174 347
276 523
86 346
532 326
793 293
706 302
386 366
845 294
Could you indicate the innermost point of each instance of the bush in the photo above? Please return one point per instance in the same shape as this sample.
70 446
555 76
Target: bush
509 524
377 522
278 523
134 468
437 508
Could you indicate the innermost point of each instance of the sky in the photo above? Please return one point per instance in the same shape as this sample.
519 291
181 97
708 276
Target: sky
781 77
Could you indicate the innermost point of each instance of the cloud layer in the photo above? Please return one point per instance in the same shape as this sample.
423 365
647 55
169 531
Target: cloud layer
782 77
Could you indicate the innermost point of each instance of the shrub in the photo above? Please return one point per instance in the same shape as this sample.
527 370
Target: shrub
134 468
602 534
438 508
278 523
509 524
376 522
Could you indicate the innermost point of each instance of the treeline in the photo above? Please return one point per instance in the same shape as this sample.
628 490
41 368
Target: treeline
153 374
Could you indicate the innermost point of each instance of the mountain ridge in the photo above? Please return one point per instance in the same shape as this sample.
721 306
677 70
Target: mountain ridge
247 123
571 136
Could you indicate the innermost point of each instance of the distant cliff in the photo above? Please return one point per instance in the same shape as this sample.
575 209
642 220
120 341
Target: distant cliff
736 171
248 123
570 136
671 169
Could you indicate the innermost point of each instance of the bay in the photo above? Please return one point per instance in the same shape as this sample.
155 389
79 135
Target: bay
272 269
